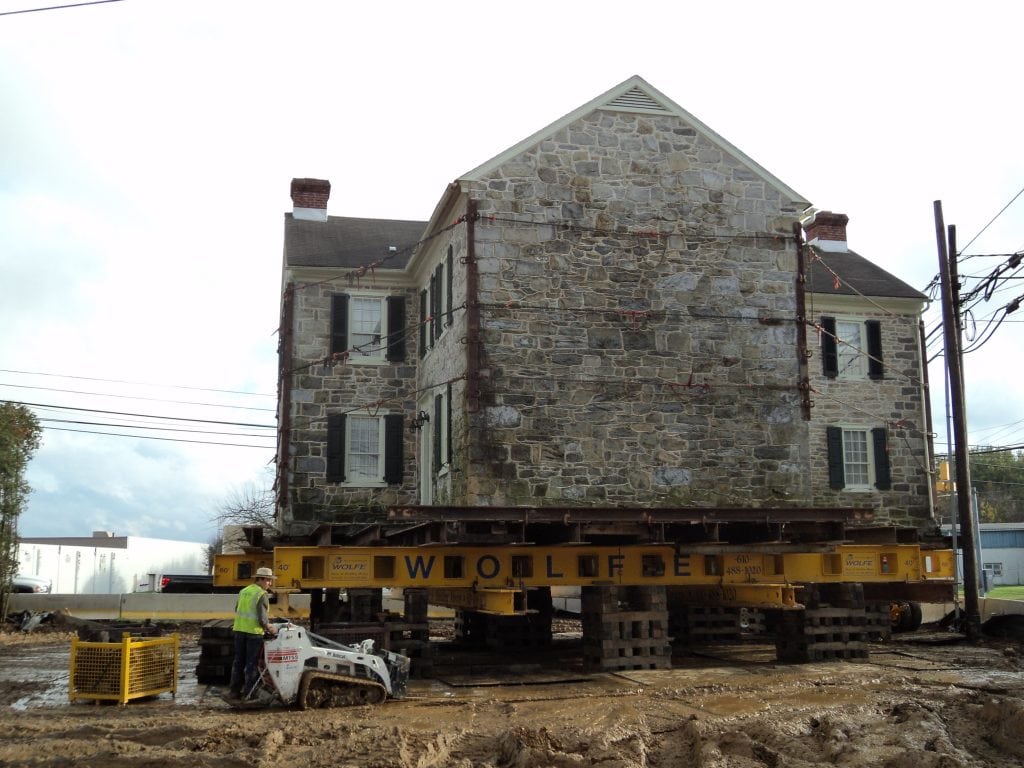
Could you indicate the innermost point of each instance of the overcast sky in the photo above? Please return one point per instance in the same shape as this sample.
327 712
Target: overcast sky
147 146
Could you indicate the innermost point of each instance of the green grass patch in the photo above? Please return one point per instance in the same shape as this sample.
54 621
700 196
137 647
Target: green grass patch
1007 593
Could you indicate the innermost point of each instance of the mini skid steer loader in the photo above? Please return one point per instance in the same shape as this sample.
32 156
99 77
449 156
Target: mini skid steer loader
303 669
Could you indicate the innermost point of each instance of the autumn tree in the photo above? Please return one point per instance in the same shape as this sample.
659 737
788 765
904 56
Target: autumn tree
999 478
19 439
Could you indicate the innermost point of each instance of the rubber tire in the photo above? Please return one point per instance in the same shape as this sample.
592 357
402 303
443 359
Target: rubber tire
910 617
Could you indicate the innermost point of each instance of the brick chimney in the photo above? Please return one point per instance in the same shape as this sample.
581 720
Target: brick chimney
827 230
309 199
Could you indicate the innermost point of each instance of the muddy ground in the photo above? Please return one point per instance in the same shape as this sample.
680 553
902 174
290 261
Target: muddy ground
925 700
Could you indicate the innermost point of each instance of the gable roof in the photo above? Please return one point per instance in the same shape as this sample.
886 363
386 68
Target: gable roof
343 241
857 276
636 95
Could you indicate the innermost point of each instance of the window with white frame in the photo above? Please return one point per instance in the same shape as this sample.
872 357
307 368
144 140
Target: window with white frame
364 450
365 442
368 327
851 348
442 434
858 458
996 568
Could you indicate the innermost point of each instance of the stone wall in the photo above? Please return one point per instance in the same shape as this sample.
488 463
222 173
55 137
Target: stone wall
895 401
446 361
637 304
637 289
321 388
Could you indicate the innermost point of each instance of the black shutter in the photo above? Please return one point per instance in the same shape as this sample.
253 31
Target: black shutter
448 425
336 448
875 368
829 349
448 285
339 323
396 328
435 303
883 472
423 323
836 474
437 433
394 442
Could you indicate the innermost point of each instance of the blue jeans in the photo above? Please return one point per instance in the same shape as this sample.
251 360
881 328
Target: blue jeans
244 669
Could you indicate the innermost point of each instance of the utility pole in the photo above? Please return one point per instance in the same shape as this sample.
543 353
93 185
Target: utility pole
954 373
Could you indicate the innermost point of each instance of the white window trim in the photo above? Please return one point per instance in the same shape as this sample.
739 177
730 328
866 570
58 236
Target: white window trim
445 437
426 457
861 373
381 458
379 356
870 452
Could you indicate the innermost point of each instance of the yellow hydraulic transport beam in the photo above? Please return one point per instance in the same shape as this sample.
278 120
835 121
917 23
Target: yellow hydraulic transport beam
520 567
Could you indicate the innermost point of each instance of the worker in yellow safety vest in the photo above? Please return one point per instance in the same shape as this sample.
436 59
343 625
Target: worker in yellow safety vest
251 622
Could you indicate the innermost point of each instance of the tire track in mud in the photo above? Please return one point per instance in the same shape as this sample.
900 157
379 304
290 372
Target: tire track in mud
944 708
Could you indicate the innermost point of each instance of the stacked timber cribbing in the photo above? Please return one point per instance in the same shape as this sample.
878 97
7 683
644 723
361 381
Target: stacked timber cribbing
835 624
503 632
879 621
700 624
625 628
216 652
414 641
530 630
822 634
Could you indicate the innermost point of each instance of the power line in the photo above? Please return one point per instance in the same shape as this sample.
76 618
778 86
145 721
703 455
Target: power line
1006 449
137 397
146 415
155 429
165 439
1012 200
137 383
999 428
58 7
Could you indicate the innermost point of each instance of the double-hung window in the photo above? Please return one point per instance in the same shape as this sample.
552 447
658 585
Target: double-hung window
858 458
436 303
366 323
364 450
367 327
851 348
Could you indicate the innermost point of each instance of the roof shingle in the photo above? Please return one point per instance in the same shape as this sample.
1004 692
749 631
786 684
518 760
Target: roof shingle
342 241
857 275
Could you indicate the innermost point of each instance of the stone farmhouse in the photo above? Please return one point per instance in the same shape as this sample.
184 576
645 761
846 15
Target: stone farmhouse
621 310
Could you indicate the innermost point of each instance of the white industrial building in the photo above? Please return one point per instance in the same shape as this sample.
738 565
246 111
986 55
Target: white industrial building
1000 552
104 564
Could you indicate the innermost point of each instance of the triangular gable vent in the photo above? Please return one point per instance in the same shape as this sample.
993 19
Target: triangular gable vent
637 100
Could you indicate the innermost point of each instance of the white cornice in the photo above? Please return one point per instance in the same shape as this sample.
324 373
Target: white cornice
830 302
